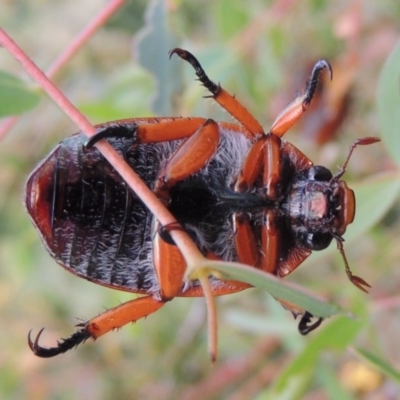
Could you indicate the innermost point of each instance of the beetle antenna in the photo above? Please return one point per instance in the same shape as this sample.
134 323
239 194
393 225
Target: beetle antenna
355 280
362 142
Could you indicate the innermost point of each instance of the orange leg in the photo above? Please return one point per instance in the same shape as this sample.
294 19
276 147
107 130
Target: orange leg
270 263
147 130
121 315
294 259
221 96
245 242
252 166
264 157
272 166
222 288
298 106
170 267
269 243
155 130
112 319
168 129
192 155
299 160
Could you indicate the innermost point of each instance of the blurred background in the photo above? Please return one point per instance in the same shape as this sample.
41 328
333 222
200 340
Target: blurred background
263 52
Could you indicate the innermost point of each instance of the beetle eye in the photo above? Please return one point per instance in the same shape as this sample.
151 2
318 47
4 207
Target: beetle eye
319 173
317 241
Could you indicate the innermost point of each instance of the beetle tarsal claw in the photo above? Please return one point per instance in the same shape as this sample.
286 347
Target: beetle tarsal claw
305 325
163 231
112 131
62 346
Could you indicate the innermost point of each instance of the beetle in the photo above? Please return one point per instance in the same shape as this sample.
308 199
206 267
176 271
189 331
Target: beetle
241 193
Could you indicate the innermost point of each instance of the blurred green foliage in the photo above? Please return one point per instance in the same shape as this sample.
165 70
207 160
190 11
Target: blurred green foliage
258 51
15 96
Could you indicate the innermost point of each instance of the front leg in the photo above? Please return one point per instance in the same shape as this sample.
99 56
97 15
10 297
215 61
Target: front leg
147 130
293 112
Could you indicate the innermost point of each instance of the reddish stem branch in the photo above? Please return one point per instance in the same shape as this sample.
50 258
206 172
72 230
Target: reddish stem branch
97 22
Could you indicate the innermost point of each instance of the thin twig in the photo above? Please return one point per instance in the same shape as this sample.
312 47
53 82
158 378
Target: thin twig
97 22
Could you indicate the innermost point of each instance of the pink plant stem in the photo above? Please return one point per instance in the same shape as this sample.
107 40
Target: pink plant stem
97 22
185 244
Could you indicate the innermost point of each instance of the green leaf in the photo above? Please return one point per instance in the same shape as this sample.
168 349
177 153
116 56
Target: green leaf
277 287
15 96
119 100
374 199
378 363
154 41
232 22
389 104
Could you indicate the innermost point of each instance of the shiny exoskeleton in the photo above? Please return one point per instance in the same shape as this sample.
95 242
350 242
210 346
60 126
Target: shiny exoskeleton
241 194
